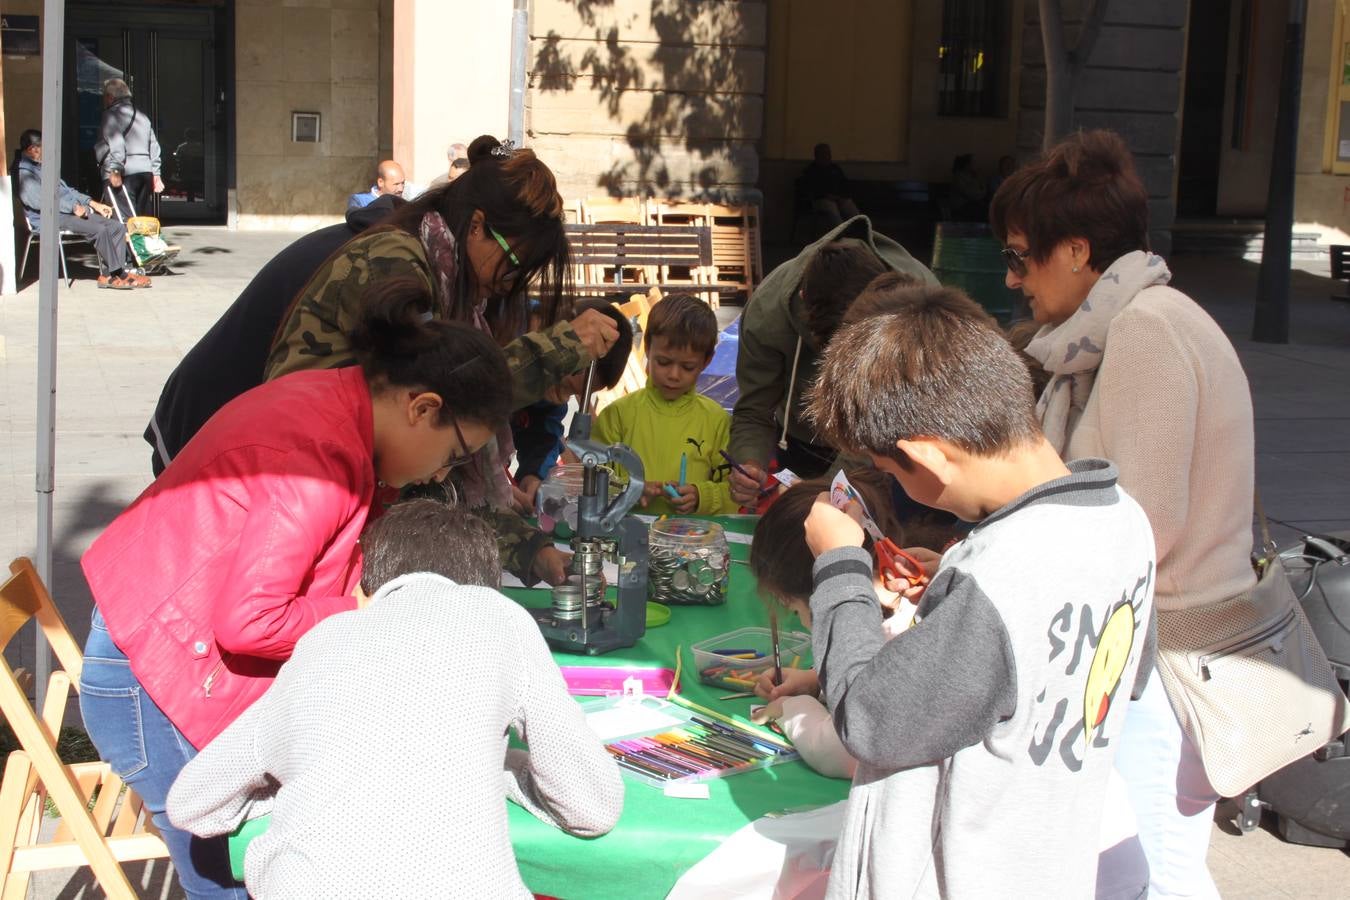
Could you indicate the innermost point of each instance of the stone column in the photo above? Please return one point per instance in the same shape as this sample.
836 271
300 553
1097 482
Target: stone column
452 67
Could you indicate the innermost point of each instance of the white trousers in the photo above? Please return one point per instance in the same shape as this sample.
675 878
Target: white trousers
1173 800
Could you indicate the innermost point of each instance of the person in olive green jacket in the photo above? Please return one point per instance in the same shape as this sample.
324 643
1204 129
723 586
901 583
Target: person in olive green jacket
476 246
788 321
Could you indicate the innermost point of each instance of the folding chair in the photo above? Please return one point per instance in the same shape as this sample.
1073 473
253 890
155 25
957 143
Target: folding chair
735 246
67 237
102 837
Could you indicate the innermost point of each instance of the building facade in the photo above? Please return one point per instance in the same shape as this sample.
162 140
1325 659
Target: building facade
270 112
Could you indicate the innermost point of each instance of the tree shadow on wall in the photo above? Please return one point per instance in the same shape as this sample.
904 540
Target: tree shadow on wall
689 74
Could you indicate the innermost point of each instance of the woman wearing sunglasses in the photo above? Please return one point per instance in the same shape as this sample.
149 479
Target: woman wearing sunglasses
1140 375
477 245
249 538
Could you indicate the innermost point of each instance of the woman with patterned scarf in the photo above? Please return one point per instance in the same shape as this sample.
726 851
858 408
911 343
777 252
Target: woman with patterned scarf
1140 375
479 244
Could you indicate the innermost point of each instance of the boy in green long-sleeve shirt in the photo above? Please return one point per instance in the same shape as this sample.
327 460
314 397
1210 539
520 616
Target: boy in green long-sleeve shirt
668 422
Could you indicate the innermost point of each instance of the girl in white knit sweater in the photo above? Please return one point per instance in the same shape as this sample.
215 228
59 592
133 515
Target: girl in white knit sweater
1140 375
782 565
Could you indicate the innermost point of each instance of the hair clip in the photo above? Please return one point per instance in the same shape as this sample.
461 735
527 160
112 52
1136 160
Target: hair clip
425 317
504 150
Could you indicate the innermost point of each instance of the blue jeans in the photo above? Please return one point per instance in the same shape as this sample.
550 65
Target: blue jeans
147 751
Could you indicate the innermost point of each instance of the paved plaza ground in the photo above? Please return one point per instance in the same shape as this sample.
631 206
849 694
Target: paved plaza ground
116 348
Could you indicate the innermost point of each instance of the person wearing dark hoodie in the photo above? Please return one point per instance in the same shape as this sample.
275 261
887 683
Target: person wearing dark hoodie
789 320
229 359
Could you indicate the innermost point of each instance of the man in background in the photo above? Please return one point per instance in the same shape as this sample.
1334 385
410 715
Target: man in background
825 185
389 179
127 150
457 156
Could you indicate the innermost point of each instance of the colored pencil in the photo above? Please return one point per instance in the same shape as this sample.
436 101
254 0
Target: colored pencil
773 633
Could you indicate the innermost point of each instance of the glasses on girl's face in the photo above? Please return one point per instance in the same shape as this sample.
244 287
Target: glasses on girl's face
1016 260
506 278
464 454
506 248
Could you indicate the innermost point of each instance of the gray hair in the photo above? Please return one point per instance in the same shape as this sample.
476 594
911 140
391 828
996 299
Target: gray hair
116 88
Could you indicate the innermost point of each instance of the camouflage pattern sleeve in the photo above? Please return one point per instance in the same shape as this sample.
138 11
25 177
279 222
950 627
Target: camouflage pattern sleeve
517 541
314 332
540 359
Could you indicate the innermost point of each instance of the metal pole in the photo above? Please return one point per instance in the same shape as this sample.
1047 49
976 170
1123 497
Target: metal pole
1271 321
49 261
520 44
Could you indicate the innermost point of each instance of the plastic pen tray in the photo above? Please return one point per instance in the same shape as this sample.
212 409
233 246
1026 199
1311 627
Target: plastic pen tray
737 659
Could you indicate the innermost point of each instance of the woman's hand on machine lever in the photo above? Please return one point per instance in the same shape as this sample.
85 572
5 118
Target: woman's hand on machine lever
550 564
597 332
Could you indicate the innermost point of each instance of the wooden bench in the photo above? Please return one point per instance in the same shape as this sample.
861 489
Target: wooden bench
1340 263
635 253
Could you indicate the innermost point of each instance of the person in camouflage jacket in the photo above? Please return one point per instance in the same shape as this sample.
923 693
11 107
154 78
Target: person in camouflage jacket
475 246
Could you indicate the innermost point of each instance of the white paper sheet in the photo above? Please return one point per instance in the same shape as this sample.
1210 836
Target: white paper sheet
628 718
769 859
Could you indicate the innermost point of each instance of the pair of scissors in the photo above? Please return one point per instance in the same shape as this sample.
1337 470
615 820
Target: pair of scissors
893 564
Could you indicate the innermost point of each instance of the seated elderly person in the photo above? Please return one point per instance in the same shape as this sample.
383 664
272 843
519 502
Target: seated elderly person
77 213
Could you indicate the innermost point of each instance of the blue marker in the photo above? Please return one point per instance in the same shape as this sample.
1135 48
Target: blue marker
670 490
684 468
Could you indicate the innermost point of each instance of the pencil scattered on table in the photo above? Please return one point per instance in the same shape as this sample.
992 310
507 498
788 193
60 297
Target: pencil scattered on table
702 748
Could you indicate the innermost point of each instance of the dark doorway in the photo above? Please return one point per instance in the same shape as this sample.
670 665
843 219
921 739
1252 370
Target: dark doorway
1202 126
173 55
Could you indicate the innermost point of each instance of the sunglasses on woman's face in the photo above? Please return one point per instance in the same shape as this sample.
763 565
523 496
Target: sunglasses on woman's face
1016 260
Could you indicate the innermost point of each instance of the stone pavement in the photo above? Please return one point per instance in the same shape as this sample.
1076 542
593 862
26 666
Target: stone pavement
116 348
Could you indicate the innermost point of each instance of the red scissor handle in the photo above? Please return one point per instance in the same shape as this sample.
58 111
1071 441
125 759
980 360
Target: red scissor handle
895 564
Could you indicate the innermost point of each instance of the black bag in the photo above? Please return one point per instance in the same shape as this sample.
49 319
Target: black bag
1319 570
1312 796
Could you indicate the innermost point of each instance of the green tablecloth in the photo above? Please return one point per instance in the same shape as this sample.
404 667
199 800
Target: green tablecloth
659 838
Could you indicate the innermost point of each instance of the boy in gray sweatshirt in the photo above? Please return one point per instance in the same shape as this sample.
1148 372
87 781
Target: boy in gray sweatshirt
984 733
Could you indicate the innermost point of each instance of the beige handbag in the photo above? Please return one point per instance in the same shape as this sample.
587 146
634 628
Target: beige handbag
1249 682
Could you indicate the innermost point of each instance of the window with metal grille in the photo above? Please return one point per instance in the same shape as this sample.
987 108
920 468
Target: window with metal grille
973 58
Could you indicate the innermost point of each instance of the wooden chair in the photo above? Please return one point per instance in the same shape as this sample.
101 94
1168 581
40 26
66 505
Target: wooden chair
736 260
102 836
614 210
736 249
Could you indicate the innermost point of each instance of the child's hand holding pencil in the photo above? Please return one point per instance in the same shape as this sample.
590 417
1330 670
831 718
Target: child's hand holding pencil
795 681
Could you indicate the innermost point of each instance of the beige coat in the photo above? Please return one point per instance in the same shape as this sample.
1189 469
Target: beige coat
1171 407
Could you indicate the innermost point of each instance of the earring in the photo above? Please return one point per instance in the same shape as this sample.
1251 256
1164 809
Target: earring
1075 269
